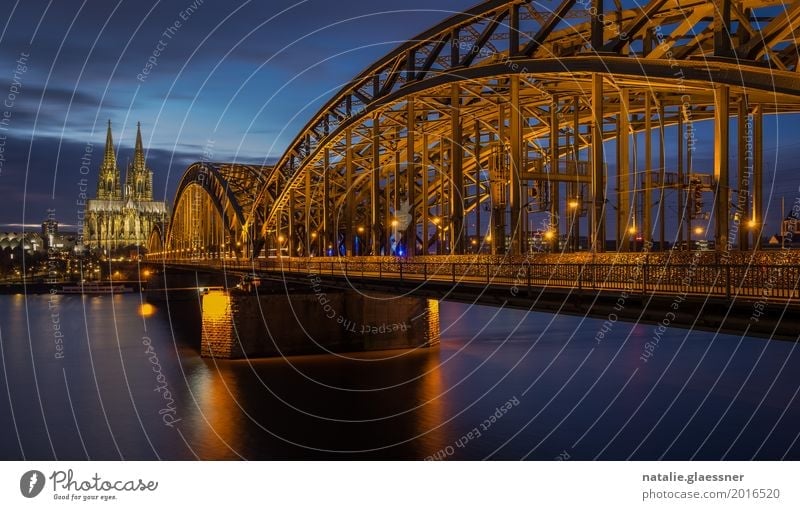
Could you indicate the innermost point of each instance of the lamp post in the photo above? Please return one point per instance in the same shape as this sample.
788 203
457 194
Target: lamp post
574 208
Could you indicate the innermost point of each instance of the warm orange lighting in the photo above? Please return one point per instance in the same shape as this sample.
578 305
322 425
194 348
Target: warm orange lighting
699 230
147 310
313 235
216 304
752 223
489 237
573 204
474 242
549 235
632 230
436 221
146 273
395 223
281 239
360 230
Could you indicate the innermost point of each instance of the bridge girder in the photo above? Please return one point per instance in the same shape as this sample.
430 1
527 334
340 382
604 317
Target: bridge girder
212 203
346 173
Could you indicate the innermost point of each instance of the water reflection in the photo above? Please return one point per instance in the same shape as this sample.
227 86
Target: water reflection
101 400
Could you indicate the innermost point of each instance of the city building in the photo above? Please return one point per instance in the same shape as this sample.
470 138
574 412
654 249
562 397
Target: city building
28 242
121 218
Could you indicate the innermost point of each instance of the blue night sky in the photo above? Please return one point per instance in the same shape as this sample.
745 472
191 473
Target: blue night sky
237 77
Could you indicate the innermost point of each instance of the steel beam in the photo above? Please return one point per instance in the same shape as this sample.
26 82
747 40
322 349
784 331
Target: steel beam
758 175
456 173
515 135
553 177
425 164
744 174
598 230
375 188
624 202
662 177
349 203
647 220
411 178
327 225
721 170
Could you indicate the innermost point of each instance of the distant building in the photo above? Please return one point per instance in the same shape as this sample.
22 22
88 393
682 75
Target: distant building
49 230
118 217
28 242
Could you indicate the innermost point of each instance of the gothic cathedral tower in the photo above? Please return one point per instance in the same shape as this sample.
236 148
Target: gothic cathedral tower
139 178
108 184
123 219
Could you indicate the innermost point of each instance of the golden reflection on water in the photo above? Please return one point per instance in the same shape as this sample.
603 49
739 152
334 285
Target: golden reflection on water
147 310
218 418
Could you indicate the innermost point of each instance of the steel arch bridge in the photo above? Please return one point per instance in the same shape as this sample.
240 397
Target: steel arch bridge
513 124
213 202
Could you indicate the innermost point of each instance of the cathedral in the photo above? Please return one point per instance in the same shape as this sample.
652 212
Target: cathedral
118 217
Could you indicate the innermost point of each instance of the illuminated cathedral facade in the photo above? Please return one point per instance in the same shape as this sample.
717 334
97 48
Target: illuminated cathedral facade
122 217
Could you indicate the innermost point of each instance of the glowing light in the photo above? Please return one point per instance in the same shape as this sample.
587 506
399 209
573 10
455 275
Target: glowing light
147 310
360 230
699 230
632 230
549 235
313 235
281 239
474 242
573 204
395 223
436 221
752 223
216 304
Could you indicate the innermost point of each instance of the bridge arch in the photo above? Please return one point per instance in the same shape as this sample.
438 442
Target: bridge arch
501 124
211 205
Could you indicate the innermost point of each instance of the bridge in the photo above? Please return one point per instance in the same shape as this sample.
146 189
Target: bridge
526 147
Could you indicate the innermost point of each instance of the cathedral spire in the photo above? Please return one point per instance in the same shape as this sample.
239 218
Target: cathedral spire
108 185
109 159
138 153
139 180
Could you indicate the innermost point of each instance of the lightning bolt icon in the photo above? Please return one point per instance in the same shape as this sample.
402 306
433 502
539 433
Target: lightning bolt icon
32 483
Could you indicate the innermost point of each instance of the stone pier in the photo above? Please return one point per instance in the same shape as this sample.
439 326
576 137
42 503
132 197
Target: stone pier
238 324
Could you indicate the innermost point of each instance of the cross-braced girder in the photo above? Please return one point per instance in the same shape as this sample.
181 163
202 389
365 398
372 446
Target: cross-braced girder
471 131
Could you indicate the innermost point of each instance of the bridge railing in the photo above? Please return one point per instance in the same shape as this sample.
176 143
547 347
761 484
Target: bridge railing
762 281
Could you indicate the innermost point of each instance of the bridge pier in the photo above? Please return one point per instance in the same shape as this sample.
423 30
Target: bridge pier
238 324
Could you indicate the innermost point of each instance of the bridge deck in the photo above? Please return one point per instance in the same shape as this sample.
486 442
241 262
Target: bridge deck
753 282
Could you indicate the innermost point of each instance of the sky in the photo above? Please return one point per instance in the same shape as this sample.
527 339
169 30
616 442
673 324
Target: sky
236 78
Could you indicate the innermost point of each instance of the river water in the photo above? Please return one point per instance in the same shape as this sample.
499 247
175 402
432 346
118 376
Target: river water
107 378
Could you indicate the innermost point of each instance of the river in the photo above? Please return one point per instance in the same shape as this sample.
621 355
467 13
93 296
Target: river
106 378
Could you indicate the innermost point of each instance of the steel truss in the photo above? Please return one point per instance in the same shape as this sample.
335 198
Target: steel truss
477 129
